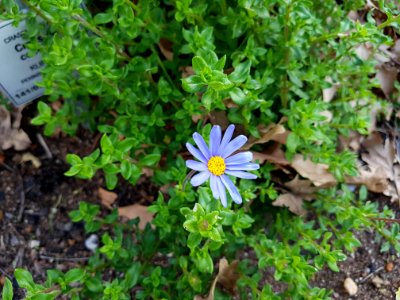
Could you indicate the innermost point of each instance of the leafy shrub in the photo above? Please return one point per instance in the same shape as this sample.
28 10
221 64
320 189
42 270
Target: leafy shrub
147 74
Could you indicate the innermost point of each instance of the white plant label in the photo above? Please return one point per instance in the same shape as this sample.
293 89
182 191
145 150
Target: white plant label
19 73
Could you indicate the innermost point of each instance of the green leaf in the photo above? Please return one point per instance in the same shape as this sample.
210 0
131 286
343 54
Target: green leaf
24 279
204 261
238 96
292 142
103 18
132 276
150 159
208 98
106 144
193 84
8 292
111 180
199 65
126 170
193 240
74 275
241 72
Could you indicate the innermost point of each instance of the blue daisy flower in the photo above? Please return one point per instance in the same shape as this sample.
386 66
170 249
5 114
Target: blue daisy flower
216 162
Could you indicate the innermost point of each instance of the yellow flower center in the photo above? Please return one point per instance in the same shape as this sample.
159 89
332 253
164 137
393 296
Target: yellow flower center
216 165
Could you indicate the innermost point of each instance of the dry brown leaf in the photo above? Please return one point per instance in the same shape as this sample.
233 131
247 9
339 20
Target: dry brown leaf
186 71
302 187
276 156
317 173
11 137
219 118
381 154
329 93
386 76
107 198
227 276
134 211
166 48
29 157
291 201
267 134
374 180
352 142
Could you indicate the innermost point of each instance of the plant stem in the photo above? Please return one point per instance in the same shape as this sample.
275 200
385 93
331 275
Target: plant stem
285 85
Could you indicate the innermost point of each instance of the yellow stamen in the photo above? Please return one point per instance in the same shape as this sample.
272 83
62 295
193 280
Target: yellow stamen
216 165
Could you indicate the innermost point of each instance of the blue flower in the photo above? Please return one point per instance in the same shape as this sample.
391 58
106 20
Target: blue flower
216 162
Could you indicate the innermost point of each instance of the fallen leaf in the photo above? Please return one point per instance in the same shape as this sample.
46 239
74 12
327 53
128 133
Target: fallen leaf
227 276
329 93
316 172
11 137
186 71
276 156
107 198
302 187
291 201
380 154
29 157
267 134
374 180
136 211
386 76
165 47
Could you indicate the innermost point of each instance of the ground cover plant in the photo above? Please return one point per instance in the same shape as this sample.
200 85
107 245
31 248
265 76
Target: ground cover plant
154 76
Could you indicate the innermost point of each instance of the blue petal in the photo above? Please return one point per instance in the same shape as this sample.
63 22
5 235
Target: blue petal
221 191
243 167
202 145
200 178
227 137
214 186
239 158
241 174
234 145
196 153
232 189
195 165
215 139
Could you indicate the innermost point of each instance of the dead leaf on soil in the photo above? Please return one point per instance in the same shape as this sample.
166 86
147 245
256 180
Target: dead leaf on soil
276 156
381 154
227 276
316 172
291 201
107 198
386 76
134 211
166 48
329 93
374 180
29 157
302 187
10 134
267 134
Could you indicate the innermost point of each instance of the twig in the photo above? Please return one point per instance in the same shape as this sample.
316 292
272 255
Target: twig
386 220
22 201
191 173
370 274
18 258
63 258
42 143
5 273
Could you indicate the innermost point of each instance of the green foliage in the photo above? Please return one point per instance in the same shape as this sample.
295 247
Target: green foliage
146 75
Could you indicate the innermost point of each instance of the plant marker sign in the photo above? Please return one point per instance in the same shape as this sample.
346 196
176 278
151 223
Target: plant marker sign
19 73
